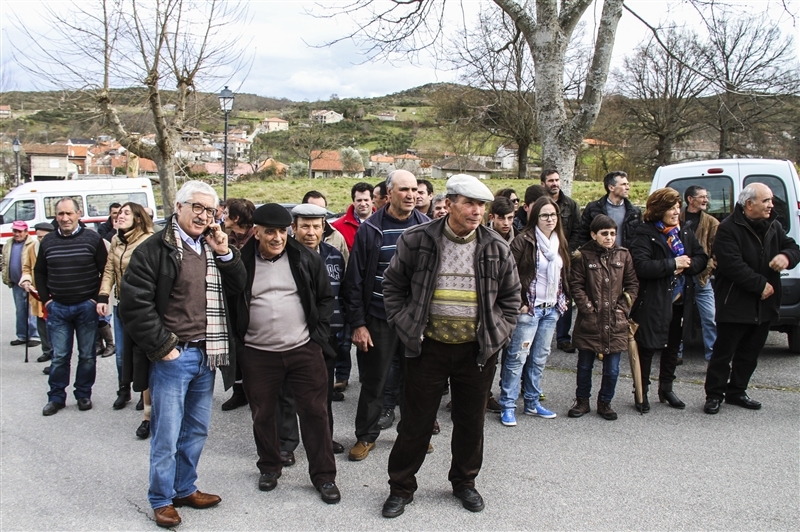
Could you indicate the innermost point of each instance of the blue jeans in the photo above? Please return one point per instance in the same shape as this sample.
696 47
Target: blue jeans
533 335
704 297
118 334
23 312
182 390
64 321
610 375
564 325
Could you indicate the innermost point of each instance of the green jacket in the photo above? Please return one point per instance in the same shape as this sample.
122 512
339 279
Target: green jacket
410 280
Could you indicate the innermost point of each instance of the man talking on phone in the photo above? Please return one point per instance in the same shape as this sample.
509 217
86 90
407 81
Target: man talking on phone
173 306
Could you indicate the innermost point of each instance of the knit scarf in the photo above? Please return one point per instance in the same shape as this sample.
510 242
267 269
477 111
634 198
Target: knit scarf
549 248
216 326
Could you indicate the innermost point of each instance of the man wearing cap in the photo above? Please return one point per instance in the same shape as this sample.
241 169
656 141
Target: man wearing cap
13 252
26 282
283 328
68 270
451 294
372 250
175 310
307 228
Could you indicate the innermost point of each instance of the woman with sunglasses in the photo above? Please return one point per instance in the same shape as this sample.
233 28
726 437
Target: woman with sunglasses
542 257
602 276
666 257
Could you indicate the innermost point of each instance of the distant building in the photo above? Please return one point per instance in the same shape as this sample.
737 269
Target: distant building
274 124
326 117
459 165
328 164
387 116
505 157
5 112
57 161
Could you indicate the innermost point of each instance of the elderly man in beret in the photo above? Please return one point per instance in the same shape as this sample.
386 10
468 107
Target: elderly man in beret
451 294
308 229
283 325
12 273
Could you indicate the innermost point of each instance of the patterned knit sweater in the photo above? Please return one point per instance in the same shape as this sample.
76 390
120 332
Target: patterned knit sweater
453 316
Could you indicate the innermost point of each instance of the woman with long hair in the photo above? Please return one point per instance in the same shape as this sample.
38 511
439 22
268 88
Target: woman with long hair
134 226
542 257
666 257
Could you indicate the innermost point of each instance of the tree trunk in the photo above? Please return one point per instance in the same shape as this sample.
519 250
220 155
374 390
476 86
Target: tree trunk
522 159
166 177
663 151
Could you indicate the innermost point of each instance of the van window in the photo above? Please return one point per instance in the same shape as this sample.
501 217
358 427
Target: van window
50 205
779 200
24 210
97 204
720 192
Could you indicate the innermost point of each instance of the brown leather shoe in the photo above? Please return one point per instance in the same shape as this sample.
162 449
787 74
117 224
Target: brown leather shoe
360 450
198 500
167 516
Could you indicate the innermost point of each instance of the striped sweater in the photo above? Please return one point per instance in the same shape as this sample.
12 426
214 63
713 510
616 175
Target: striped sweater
68 268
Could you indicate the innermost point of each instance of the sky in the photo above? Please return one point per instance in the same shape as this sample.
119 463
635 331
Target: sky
288 58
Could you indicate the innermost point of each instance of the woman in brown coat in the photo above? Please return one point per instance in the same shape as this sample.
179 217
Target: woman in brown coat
600 277
134 226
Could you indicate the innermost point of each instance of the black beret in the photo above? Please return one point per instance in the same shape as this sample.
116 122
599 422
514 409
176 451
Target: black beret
44 226
272 215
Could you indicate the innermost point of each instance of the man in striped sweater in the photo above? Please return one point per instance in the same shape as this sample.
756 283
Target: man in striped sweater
68 272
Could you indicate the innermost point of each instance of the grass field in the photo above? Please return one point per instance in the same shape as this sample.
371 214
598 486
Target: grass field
337 190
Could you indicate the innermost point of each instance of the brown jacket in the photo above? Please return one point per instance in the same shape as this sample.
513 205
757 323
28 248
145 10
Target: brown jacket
119 255
29 253
705 232
597 281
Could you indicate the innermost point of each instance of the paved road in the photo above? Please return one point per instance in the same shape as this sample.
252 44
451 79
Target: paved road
665 470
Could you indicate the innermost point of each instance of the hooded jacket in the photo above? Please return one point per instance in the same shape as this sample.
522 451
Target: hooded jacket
598 279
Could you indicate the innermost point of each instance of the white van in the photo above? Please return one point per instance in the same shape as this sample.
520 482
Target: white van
36 201
724 179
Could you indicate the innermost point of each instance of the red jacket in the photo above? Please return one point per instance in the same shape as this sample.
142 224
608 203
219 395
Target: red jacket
348 225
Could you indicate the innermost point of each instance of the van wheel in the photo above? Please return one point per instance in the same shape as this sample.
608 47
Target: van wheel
794 339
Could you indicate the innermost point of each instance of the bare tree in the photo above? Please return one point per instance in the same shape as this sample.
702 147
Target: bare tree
662 87
167 47
752 71
308 143
351 160
408 27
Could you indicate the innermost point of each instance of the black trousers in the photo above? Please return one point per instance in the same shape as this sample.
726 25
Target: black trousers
374 371
304 370
669 354
286 416
425 377
735 357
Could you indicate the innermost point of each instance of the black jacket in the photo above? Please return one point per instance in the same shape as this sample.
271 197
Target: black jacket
633 219
570 219
743 269
106 229
359 277
313 287
655 268
147 285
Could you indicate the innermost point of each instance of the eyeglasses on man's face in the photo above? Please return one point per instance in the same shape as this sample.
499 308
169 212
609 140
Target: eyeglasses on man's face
548 216
199 208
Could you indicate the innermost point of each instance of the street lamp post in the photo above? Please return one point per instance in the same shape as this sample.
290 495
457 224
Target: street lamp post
15 146
226 104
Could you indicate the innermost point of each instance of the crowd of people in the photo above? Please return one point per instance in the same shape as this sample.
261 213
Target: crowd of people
435 291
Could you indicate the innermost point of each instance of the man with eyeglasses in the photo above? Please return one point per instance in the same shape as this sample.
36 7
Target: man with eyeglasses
174 305
614 204
704 226
68 271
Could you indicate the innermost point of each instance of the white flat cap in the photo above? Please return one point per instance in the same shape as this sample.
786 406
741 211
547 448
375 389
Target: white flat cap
469 187
309 210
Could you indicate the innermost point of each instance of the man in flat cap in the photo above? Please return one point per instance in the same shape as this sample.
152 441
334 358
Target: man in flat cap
176 288
12 272
283 324
452 296
308 229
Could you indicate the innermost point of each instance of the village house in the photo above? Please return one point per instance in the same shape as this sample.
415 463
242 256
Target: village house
268 125
459 165
328 164
323 116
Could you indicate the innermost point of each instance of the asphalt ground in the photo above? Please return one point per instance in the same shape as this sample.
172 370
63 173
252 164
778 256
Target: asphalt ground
666 470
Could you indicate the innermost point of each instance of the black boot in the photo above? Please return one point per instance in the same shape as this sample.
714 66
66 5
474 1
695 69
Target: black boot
123 396
237 399
666 395
644 406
